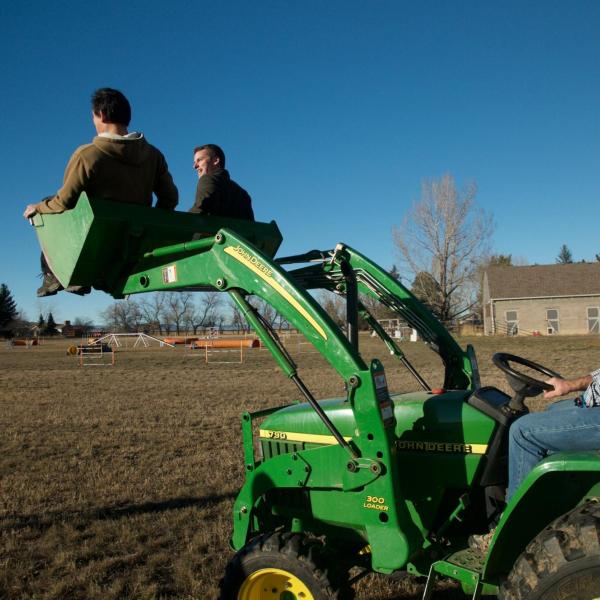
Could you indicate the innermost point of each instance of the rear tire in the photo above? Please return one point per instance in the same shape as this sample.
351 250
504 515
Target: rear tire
562 562
283 566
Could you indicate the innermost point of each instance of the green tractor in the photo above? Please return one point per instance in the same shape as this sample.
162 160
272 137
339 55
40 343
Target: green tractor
370 481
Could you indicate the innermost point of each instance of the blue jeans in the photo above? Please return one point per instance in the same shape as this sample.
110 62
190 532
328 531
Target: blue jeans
563 426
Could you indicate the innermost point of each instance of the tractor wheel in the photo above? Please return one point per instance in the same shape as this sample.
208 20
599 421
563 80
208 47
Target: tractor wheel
283 566
562 562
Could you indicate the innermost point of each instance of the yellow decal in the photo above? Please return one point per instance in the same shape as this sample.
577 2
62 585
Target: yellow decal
266 274
442 447
290 436
375 503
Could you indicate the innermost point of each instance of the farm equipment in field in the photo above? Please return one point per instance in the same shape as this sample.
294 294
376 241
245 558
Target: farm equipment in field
373 480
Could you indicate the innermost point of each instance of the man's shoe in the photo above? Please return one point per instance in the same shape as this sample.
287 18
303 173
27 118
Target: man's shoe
50 286
80 290
481 542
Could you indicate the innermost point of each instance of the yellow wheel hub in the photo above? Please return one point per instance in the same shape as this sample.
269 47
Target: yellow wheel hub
274 584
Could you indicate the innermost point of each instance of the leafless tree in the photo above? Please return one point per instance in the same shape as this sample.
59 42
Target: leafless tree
238 321
177 309
206 312
334 306
445 235
376 308
152 308
83 322
268 313
122 316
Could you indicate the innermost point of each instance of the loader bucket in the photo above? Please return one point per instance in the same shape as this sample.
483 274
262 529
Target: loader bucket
99 241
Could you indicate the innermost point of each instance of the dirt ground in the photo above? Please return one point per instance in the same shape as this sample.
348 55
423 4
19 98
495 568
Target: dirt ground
118 481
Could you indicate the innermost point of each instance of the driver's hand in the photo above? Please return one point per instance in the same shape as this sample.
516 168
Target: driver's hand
561 387
30 211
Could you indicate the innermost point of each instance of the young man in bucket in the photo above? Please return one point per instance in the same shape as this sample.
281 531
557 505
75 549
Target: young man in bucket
216 193
117 165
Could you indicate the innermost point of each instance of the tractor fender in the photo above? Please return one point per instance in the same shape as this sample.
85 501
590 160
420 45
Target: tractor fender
556 485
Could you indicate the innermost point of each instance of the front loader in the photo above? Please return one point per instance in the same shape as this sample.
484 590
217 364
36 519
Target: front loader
372 480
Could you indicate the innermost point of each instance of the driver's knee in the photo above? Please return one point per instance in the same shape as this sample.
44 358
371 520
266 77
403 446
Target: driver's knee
519 430
515 433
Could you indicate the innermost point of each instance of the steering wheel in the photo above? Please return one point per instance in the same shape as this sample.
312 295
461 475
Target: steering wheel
524 385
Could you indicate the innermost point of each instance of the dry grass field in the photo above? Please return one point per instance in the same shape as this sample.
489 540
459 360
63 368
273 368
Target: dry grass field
118 482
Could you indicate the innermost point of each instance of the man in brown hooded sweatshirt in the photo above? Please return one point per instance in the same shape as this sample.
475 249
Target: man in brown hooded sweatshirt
117 165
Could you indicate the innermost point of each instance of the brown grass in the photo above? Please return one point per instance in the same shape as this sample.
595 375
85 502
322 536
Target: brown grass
118 482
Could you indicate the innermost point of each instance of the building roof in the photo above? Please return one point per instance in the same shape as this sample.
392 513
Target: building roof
544 281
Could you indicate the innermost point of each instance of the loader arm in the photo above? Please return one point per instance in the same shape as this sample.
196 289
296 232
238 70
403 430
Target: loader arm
227 262
328 273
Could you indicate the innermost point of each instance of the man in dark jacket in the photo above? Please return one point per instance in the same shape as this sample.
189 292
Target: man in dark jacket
217 194
117 165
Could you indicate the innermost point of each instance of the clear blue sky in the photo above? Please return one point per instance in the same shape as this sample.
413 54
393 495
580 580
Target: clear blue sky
331 113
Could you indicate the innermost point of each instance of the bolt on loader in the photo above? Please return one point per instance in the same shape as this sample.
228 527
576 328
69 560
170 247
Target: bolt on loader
372 481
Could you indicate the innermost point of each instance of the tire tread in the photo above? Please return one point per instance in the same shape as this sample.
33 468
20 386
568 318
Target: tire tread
310 552
571 537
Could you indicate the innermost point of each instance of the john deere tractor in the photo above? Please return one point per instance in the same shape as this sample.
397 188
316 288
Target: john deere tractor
372 480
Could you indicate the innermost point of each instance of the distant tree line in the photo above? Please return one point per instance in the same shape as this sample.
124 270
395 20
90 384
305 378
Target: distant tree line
182 313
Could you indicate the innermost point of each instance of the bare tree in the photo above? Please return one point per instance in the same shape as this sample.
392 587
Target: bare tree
153 309
85 324
177 309
268 313
238 321
445 235
206 312
334 306
122 316
376 308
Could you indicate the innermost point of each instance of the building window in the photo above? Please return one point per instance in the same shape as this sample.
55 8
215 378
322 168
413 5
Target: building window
552 319
512 322
593 319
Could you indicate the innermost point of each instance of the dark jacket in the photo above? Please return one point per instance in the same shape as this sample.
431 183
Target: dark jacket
219 196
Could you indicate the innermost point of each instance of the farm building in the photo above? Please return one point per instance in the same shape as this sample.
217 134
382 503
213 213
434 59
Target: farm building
542 299
69 330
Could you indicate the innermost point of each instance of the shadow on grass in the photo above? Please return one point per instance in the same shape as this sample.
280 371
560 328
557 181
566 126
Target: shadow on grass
50 518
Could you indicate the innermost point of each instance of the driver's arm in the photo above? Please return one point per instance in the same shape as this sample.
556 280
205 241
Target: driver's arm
562 387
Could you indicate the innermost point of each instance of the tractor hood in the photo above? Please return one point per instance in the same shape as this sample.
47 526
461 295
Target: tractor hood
420 417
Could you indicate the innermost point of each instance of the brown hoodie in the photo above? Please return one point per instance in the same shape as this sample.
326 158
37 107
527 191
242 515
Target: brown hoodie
121 169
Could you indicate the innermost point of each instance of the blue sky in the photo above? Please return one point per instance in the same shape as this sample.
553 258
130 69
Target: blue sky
331 113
